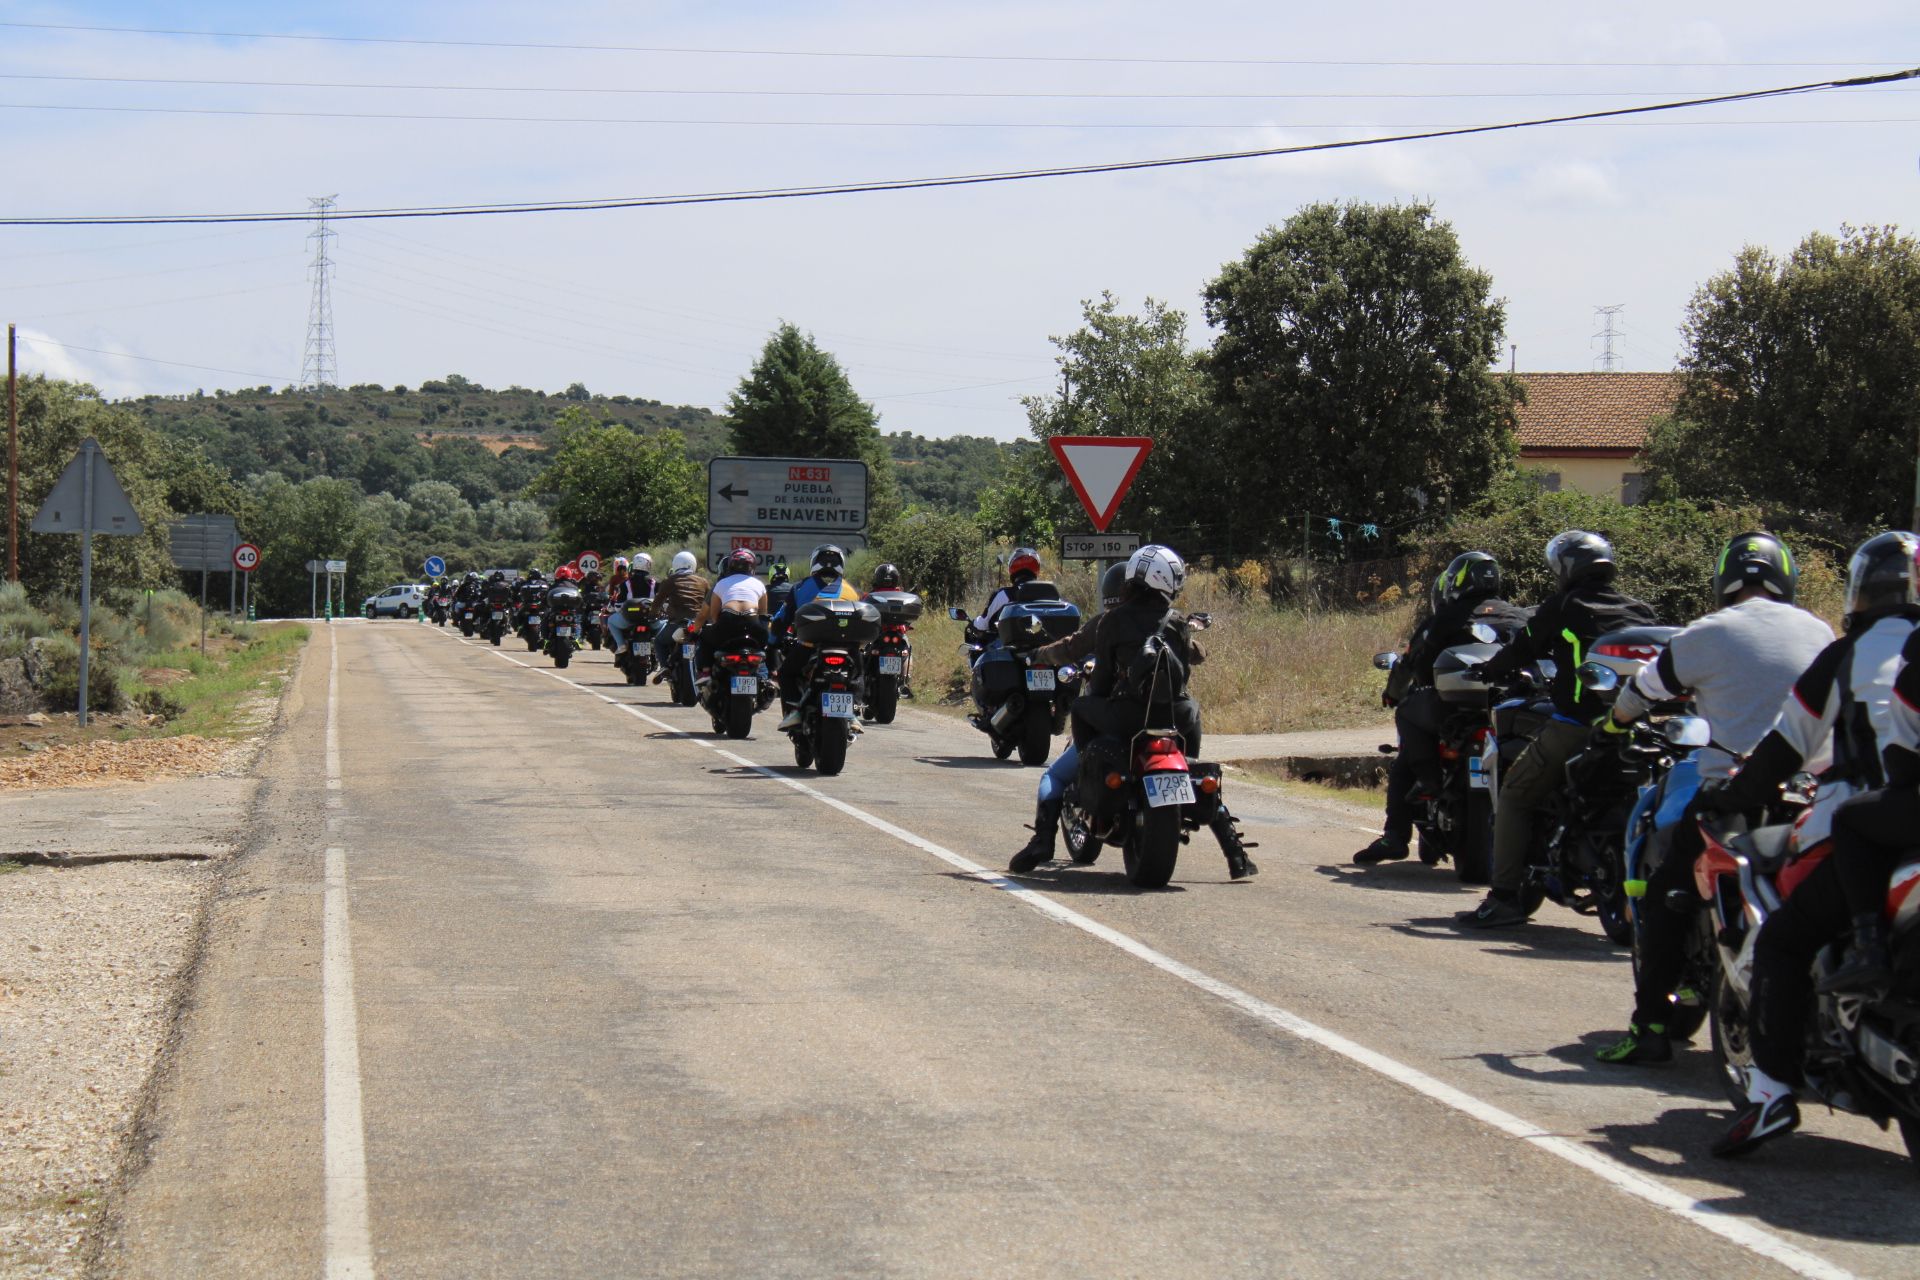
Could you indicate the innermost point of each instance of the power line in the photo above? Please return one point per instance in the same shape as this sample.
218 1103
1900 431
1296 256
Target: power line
958 180
128 355
886 55
991 95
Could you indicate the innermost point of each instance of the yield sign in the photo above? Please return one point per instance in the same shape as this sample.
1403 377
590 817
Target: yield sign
1100 468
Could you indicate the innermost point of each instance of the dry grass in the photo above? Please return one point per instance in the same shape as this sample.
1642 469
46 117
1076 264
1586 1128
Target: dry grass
1267 670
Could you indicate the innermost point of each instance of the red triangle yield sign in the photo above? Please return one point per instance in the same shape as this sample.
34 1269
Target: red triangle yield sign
1100 469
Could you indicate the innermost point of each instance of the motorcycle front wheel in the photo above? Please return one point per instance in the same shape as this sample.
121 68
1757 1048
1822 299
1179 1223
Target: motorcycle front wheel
1152 847
1732 1042
683 691
803 750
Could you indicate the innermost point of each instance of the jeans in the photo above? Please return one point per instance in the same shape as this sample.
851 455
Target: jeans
1054 781
617 625
663 642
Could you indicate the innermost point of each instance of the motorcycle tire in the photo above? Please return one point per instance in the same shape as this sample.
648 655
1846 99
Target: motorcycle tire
466 631
1036 737
1432 851
494 638
803 750
1083 847
1732 1042
595 641
884 698
636 674
830 738
740 709
533 642
1001 750
1152 848
1473 843
684 694
1616 917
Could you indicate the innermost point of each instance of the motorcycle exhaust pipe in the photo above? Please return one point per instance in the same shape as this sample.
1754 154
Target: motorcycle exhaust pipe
1002 716
1889 1060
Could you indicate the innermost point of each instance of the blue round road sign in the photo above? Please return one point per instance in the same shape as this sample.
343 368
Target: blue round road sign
435 566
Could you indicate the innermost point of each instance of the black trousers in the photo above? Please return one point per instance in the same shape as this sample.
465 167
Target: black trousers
728 628
1663 930
1871 832
1417 719
1094 716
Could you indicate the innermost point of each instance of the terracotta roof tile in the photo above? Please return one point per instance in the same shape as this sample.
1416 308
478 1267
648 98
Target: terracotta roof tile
1593 410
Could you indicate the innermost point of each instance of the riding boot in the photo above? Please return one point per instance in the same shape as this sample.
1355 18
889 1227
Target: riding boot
1046 826
1867 966
1239 865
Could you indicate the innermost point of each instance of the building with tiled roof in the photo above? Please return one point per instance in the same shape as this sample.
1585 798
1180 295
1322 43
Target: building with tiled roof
1583 431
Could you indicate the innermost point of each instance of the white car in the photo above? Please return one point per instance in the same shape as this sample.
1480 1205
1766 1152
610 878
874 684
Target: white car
401 601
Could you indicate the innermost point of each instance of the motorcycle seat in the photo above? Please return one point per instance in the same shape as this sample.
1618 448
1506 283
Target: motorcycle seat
1767 849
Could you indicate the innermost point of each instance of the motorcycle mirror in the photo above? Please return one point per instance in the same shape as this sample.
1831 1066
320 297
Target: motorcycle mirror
1599 677
1385 661
1483 633
955 612
1689 731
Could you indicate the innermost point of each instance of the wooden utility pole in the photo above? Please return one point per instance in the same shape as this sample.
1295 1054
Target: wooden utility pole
13 462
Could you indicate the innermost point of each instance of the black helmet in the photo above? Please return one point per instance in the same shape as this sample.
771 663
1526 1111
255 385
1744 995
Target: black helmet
1755 560
534 575
827 561
1579 556
1472 575
1113 585
497 576
886 578
1882 576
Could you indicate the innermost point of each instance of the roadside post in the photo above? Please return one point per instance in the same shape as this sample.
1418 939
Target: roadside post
1100 470
87 499
782 508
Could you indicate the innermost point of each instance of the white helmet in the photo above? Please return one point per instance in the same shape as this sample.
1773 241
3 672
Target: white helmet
683 564
1159 568
642 562
619 562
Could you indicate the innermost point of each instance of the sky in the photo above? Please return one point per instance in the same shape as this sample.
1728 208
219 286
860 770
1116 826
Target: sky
939 303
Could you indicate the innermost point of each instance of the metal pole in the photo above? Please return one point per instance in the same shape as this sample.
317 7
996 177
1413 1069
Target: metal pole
1916 493
13 462
203 601
87 452
313 594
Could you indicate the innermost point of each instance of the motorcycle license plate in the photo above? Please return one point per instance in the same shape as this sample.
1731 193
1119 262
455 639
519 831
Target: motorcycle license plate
839 706
1040 680
498 614
1477 773
563 631
890 666
687 652
746 684
637 648
1168 788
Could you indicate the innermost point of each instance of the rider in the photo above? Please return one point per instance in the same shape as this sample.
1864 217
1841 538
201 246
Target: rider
1023 566
826 580
779 588
735 609
1738 663
886 577
679 599
1848 696
1142 651
469 588
1467 592
1562 630
616 594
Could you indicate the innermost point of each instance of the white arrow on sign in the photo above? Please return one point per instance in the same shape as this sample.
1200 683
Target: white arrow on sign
1100 469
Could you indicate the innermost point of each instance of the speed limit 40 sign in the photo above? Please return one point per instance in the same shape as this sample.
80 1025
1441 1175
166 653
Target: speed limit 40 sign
588 561
246 557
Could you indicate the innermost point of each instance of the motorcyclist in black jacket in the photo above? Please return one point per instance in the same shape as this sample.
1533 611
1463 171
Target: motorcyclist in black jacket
1142 651
1561 630
1465 594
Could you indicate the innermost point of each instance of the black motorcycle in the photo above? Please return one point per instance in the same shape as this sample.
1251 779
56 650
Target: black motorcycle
496 612
890 660
563 614
439 608
836 631
1019 705
634 657
593 604
731 691
681 656
468 613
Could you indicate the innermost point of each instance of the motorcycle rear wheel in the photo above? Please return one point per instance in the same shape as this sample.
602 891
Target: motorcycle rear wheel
684 693
561 656
533 642
829 746
1732 1043
740 709
1473 843
1036 736
636 674
884 698
1152 848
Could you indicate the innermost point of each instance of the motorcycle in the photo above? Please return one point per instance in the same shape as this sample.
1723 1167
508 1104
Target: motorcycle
635 657
1017 704
563 616
493 617
680 673
527 622
1862 1052
469 612
1578 844
890 660
439 608
731 691
1454 817
593 607
836 631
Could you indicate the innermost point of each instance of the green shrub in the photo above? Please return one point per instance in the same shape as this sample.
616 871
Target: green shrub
938 554
158 702
60 677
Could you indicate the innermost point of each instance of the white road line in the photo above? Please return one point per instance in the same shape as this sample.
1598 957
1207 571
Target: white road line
348 1247
1622 1177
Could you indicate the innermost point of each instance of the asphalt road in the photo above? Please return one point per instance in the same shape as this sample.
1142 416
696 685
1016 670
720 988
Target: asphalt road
531 976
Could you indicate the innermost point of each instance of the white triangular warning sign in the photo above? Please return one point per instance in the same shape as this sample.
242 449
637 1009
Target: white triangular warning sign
1100 469
64 509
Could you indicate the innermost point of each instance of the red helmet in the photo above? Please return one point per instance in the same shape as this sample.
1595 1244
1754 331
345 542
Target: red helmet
739 560
1023 560
567 573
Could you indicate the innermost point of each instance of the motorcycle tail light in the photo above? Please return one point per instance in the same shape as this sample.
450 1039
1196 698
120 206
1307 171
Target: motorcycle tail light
1449 752
1637 652
1115 781
835 659
1209 785
1482 736
1161 744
